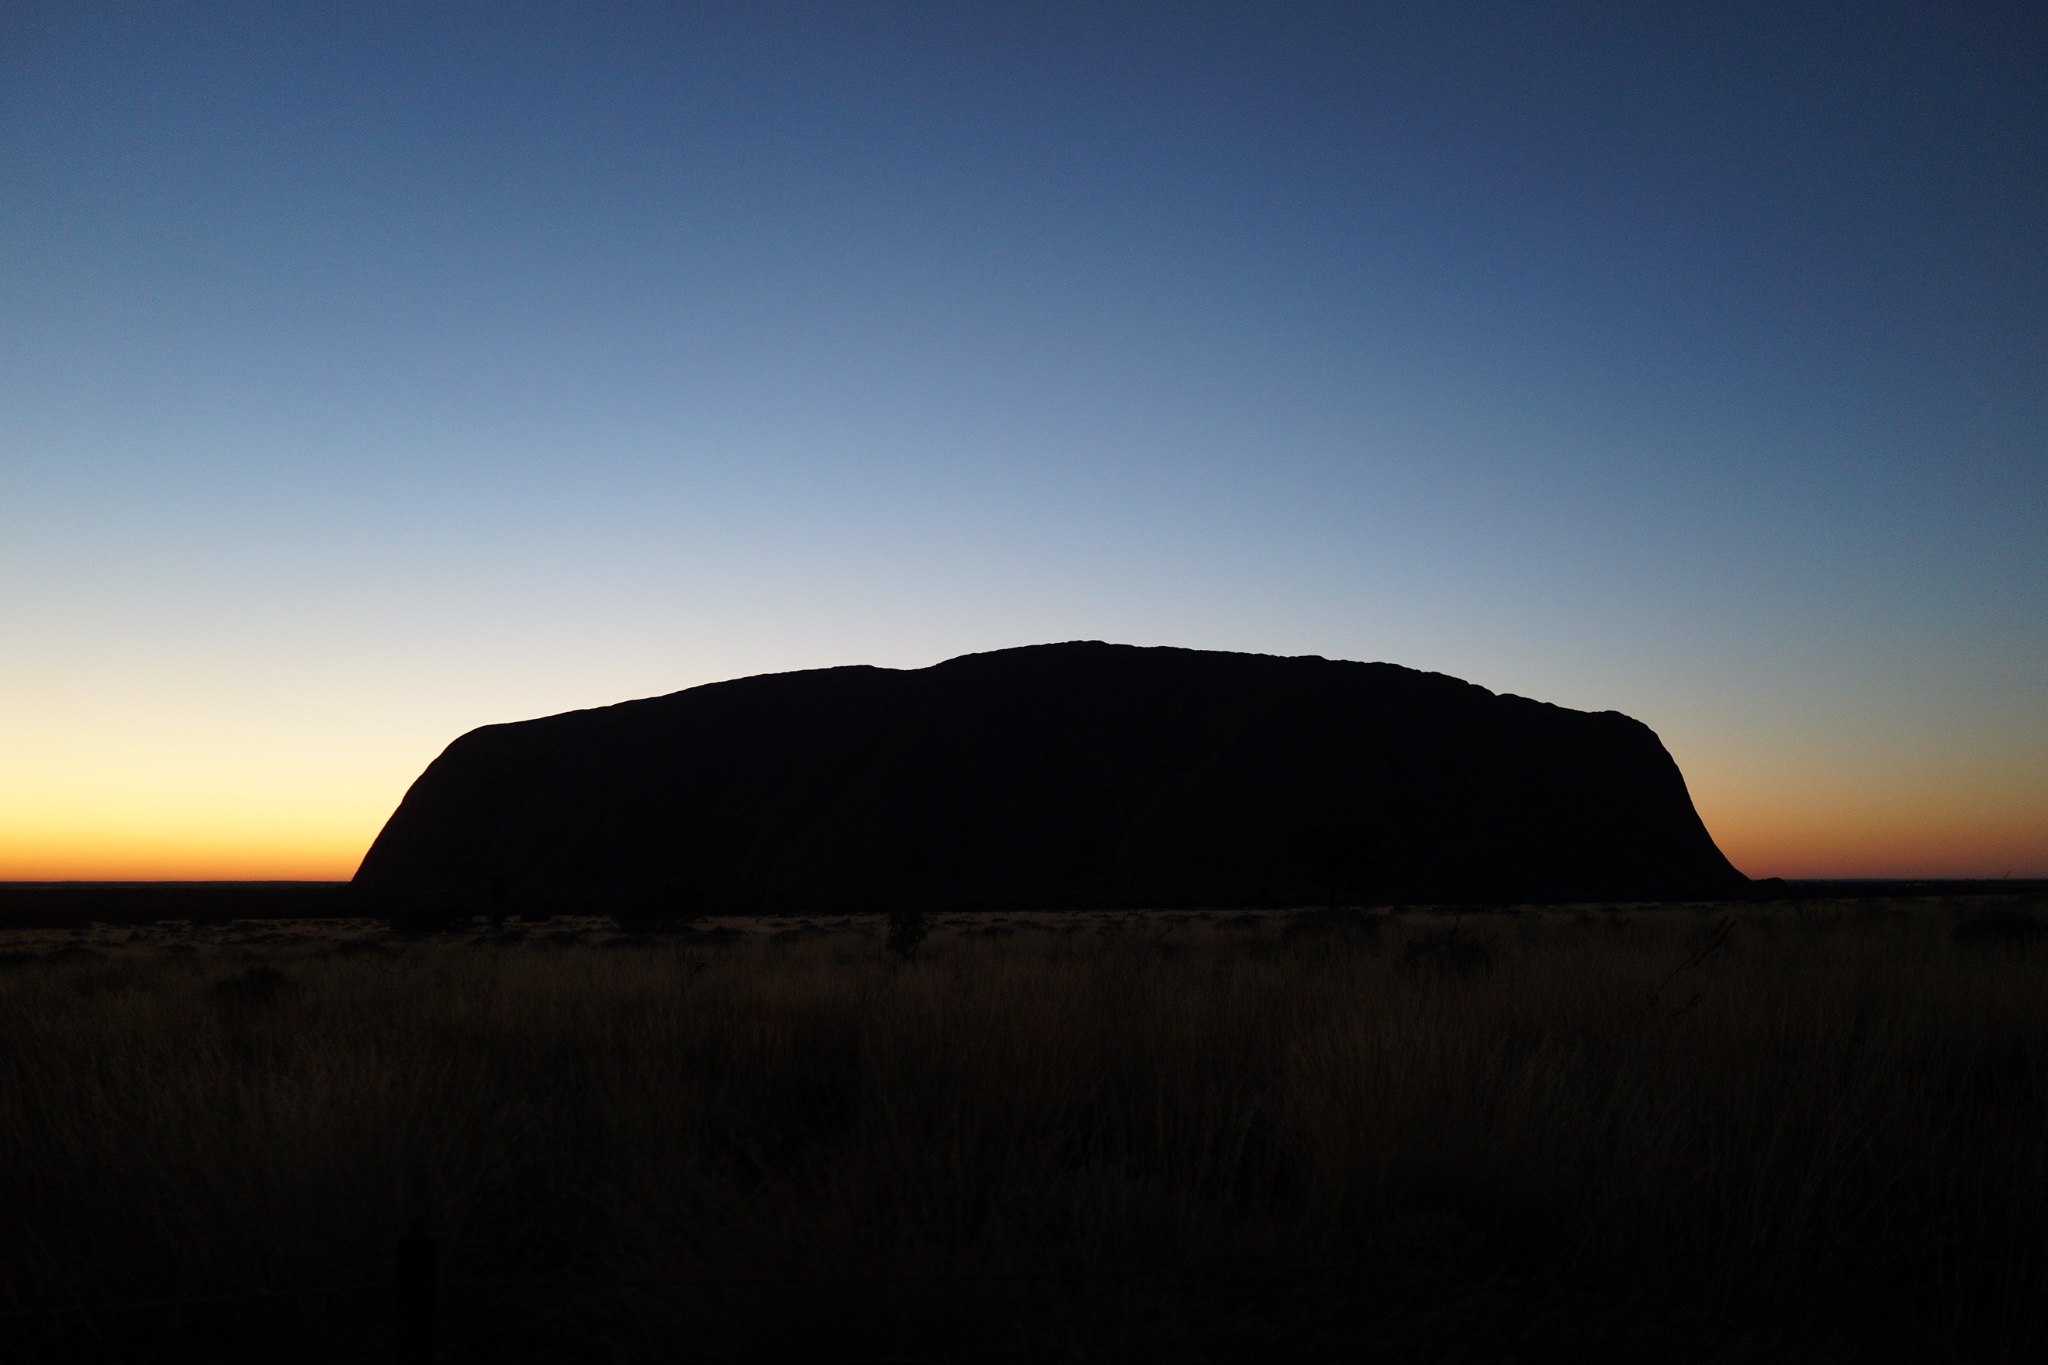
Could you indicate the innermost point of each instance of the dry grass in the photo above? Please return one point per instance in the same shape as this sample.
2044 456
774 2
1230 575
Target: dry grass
1824 1137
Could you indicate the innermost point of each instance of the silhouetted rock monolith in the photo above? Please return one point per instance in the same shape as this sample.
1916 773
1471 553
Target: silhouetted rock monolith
1067 775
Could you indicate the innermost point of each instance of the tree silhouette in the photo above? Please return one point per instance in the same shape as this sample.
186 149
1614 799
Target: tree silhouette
907 929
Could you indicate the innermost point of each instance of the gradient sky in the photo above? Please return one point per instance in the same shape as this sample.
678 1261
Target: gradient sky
372 372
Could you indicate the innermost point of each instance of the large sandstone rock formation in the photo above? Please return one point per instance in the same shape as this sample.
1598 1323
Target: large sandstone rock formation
1081 774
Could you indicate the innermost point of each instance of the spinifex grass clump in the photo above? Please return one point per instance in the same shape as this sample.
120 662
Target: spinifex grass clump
1832 1143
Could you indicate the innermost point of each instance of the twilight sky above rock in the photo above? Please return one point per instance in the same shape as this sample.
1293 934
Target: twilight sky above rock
372 372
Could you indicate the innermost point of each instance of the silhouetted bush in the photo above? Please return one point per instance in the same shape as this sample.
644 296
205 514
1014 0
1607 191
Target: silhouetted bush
907 930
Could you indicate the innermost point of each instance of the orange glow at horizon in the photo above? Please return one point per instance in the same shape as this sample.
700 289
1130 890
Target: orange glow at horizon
1828 849
238 822
266 784
1857 824
1779 836
182 853
292 782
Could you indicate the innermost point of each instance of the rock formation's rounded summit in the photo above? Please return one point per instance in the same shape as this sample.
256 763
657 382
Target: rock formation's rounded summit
1081 774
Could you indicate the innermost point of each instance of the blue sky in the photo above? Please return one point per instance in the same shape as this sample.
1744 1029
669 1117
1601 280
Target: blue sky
372 372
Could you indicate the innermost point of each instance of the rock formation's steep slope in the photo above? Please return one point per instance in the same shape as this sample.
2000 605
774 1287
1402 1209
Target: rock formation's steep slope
1078 774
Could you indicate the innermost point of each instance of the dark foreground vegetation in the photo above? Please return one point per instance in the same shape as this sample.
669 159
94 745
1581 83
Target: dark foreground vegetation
1795 1130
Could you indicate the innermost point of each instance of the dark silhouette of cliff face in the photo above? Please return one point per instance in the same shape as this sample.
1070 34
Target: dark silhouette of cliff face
1080 774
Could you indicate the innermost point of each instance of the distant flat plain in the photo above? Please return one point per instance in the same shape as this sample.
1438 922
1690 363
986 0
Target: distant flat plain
1810 1127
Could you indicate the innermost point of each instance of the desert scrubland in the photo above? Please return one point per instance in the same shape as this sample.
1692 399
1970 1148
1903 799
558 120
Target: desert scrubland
1697 1132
